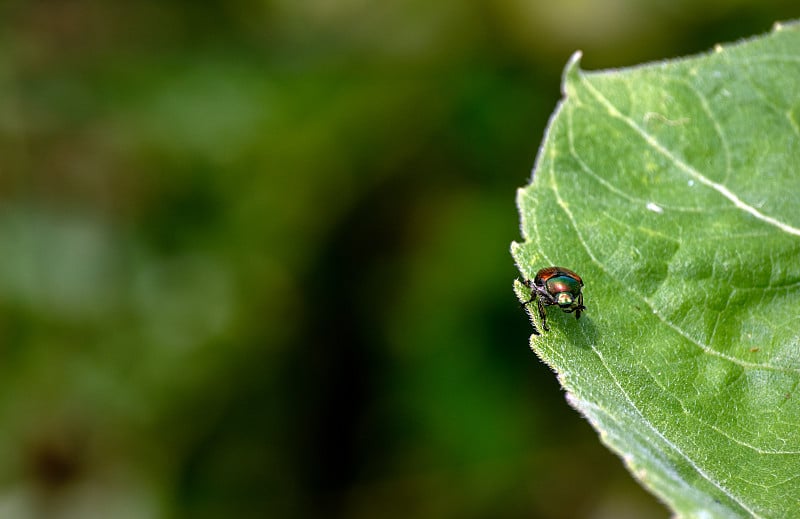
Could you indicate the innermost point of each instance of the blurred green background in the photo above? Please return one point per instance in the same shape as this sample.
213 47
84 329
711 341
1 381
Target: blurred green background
255 255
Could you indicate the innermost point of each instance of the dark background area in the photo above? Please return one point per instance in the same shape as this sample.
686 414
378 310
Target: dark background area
255 255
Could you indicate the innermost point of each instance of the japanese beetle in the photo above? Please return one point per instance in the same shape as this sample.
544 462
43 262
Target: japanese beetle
555 286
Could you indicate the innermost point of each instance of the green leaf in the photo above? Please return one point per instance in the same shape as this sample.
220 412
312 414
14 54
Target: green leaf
673 189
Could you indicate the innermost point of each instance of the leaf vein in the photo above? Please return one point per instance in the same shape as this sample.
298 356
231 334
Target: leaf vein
690 414
686 168
663 438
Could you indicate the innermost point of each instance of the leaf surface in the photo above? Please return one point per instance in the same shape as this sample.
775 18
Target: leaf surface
673 189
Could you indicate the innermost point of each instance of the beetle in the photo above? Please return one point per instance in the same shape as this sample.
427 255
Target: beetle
555 286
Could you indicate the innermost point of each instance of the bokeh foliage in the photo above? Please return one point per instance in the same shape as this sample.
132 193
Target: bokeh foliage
255 255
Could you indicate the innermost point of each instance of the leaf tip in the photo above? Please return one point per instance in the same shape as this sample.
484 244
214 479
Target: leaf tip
571 71
782 26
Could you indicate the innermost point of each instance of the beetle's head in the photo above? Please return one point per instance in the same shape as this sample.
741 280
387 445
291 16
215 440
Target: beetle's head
565 300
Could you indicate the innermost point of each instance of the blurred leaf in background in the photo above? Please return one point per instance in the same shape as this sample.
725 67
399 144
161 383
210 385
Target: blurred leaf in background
255 255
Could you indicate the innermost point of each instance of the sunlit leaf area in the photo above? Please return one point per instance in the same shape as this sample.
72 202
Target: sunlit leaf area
255 256
689 232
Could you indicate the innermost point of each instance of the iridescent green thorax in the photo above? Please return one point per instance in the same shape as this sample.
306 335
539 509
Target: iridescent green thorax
563 288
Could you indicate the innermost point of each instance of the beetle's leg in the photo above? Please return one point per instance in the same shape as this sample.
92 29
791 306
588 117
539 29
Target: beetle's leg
580 307
527 283
542 315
